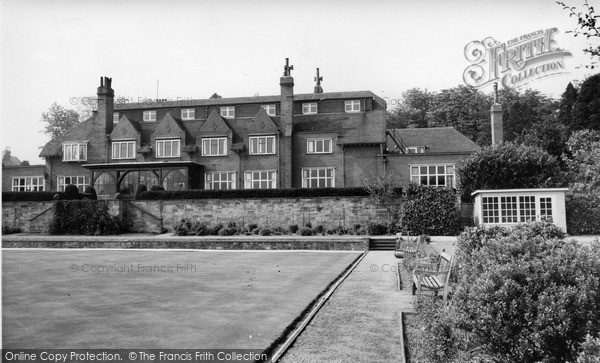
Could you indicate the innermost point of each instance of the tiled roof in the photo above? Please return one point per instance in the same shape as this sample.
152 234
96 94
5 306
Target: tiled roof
241 100
435 140
77 132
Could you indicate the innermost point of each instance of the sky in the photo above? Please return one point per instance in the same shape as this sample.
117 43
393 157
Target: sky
56 51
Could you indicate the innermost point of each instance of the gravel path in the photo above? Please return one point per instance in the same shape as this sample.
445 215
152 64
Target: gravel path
361 321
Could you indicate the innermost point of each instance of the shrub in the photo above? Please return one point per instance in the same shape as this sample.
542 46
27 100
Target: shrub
90 193
265 232
71 192
138 194
182 228
377 229
319 229
429 210
11 230
508 165
28 196
293 228
583 214
252 227
305 231
157 188
85 217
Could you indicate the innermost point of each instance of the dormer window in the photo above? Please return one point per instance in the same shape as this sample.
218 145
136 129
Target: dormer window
123 150
270 109
75 151
415 150
352 106
228 111
168 148
309 108
188 114
150 115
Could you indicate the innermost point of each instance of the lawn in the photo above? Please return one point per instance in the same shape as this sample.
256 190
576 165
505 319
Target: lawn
158 299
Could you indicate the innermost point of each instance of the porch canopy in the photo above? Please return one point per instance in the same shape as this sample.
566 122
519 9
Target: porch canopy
110 178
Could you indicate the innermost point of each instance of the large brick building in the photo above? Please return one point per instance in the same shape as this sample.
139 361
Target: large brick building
284 141
313 140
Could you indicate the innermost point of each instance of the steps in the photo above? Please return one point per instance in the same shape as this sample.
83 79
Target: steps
382 243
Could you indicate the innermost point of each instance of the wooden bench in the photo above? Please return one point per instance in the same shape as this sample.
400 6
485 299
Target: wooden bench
405 246
433 276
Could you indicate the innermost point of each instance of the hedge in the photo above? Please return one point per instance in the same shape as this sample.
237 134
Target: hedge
429 210
83 217
251 193
28 196
583 214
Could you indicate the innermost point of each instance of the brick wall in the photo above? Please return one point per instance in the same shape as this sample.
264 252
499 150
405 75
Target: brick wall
144 216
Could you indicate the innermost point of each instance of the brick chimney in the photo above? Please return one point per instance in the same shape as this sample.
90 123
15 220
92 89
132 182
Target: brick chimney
287 106
106 97
496 115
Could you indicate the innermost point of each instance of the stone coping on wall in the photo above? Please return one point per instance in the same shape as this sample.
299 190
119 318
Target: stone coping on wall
165 241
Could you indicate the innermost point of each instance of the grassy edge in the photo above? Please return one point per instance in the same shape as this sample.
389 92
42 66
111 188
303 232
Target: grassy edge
294 324
405 336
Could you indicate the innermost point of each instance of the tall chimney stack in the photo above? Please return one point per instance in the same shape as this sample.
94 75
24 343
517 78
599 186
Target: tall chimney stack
287 106
106 97
496 115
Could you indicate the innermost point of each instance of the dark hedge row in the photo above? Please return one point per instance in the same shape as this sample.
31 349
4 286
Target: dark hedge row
83 217
251 193
28 196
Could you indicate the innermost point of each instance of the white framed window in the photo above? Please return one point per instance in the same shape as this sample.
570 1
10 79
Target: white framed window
260 179
220 180
228 111
75 151
319 146
546 208
150 115
271 110
188 113
309 108
318 178
115 117
123 150
352 106
214 146
262 145
168 148
433 175
28 184
79 181
415 149
510 209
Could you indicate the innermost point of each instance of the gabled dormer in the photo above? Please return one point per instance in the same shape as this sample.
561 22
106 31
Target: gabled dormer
214 136
262 124
125 140
170 138
262 135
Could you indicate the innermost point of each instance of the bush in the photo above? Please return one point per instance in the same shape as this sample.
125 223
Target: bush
525 294
429 210
71 192
157 188
305 231
265 232
583 214
508 165
11 230
138 194
183 227
252 227
90 193
319 229
28 196
86 217
252 193
377 229
293 228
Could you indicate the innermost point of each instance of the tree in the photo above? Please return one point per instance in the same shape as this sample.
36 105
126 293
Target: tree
586 109
508 165
549 134
462 107
586 20
385 190
411 111
567 101
58 119
584 160
521 111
